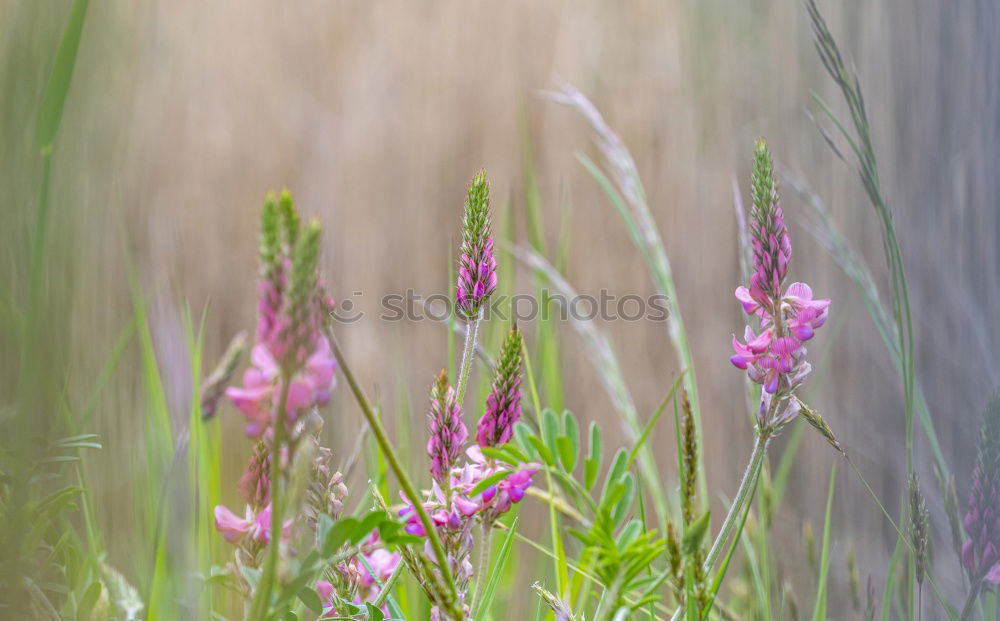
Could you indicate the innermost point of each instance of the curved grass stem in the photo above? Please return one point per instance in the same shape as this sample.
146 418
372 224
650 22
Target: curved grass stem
378 430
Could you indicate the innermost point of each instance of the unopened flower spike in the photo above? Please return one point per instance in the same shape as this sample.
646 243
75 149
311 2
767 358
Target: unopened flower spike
981 552
448 432
290 220
303 310
772 248
477 267
503 405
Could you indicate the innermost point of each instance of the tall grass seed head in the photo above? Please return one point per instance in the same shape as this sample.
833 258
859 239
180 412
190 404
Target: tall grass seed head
981 552
477 267
503 405
448 432
689 449
918 527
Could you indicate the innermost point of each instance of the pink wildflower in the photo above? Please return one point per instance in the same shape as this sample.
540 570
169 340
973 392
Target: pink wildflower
503 405
257 527
448 432
477 276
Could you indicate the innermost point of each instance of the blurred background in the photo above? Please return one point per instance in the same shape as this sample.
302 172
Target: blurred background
182 115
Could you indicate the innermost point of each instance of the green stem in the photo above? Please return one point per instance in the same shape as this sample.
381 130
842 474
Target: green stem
404 480
262 599
468 353
484 555
970 602
747 486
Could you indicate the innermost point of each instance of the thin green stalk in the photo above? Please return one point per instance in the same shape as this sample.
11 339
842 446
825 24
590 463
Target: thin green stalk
484 555
747 486
970 601
262 599
745 492
378 430
471 333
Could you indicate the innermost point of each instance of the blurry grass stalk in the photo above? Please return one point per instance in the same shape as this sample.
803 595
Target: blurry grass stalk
626 193
863 149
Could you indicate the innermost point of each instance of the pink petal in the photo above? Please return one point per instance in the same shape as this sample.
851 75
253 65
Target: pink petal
993 575
799 290
231 526
325 590
261 358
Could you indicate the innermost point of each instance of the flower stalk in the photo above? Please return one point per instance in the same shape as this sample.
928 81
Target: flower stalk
378 430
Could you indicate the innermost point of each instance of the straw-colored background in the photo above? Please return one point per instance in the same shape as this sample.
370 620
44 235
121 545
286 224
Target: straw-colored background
183 114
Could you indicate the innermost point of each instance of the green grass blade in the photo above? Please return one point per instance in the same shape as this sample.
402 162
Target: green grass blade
499 566
54 100
819 611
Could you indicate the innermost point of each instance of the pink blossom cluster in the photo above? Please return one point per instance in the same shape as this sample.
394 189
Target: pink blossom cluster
775 357
355 572
450 510
448 432
262 386
477 277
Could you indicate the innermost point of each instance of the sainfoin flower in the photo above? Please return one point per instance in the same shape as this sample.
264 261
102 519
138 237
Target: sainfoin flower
290 343
774 355
255 526
448 432
503 405
356 577
981 552
477 267
450 511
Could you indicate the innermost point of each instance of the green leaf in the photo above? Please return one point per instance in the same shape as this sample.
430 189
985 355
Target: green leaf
591 469
596 448
622 506
549 428
567 453
629 534
694 534
291 616
368 523
501 455
54 100
251 575
523 434
618 465
339 535
312 600
490 481
323 525
819 612
497 572
374 613
542 450
572 431
90 597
